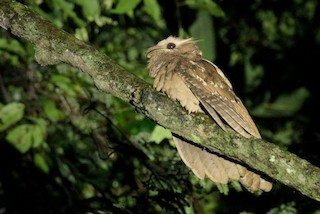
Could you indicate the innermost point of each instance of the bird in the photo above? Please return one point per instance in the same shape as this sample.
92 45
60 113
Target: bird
180 71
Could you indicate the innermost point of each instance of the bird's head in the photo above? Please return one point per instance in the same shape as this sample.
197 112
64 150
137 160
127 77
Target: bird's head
173 46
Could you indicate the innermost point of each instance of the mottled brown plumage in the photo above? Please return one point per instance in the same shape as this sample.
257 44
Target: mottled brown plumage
181 72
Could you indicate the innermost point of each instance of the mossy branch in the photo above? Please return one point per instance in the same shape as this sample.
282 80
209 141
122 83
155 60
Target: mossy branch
53 45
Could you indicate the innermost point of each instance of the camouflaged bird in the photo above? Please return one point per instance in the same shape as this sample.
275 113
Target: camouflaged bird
181 72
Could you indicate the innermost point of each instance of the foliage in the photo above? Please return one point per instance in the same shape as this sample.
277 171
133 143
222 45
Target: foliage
64 142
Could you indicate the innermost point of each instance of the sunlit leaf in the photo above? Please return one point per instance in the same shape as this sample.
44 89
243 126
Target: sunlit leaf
82 34
102 20
10 114
159 134
21 138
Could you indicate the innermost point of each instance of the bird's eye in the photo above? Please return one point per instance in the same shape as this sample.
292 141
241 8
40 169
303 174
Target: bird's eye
171 45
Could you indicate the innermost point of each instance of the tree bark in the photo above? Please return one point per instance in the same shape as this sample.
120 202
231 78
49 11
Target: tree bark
53 46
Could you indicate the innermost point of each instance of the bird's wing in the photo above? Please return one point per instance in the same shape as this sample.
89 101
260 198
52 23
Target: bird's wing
214 91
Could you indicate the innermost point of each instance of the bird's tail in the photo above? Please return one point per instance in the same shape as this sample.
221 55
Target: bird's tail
219 170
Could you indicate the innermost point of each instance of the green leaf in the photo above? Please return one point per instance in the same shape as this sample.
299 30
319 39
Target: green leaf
40 161
284 105
207 5
183 33
253 73
26 136
82 34
52 112
103 20
126 7
287 134
288 208
159 134
10 114
64 83
91 9
153 9
39 132
202 30
292 102
13 46
21 138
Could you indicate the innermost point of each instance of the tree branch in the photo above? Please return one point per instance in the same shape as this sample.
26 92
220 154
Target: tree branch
53 46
